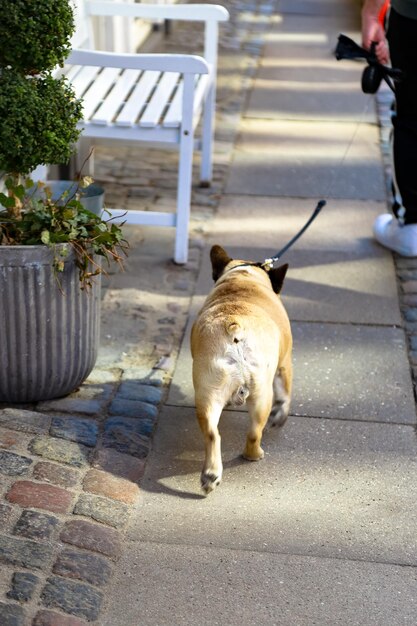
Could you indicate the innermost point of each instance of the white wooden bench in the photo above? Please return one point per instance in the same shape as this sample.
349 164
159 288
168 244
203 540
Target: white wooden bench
157 99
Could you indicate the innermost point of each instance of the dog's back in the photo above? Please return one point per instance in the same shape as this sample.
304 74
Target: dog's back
239 335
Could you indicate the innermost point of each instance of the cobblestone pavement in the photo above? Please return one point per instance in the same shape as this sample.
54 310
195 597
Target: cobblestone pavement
70 468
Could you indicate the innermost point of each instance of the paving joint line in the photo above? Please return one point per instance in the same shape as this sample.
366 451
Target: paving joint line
281 553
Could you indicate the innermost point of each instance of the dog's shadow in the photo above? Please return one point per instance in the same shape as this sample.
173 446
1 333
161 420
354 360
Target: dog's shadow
156 484
175 463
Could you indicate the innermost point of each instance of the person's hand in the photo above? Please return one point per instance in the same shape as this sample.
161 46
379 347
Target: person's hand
372 31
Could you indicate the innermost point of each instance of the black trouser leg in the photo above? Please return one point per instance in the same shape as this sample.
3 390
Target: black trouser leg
402 38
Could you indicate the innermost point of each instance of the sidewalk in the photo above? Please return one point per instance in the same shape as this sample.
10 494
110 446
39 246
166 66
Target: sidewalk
102 517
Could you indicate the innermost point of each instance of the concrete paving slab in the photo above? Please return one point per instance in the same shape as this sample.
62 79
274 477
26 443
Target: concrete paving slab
304 159
317 8
311 89
289 21
300 78
338 370
289 36
185 585
333 266
328 488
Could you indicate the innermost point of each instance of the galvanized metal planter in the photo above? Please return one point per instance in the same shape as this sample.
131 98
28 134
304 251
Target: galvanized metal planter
49 332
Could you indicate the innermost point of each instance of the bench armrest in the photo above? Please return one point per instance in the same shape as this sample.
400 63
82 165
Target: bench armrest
184 12
182 63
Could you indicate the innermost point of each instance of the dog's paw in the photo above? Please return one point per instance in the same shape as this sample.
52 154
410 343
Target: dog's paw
278 416
276 421
253 455
209 481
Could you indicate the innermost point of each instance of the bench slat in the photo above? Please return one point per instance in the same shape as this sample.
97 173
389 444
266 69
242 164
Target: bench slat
83 78
172 118
98 90
159 100
106 113
70 72
137 99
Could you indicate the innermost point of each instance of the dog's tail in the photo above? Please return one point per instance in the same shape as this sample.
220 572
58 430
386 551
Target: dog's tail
234 330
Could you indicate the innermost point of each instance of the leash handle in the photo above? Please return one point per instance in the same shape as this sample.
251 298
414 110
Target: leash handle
270 262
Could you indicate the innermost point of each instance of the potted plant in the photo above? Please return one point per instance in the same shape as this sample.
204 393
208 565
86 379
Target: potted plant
50 250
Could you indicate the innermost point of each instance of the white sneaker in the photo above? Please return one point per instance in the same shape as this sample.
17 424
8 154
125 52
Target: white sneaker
391 234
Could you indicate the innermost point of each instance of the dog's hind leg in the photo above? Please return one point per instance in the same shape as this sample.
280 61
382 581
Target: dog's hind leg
281 406
208 415
282 395
259 406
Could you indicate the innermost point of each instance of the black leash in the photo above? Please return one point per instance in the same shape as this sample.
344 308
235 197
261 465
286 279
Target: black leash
375 72
268 263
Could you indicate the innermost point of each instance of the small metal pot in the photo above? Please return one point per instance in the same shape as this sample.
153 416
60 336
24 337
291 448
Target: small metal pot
91 197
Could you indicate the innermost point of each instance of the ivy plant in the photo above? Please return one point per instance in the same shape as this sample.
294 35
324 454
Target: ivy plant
43 220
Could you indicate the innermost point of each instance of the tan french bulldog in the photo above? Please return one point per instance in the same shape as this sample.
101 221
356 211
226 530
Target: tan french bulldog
241 345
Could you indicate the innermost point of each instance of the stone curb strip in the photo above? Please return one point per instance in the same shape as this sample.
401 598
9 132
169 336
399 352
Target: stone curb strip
70 468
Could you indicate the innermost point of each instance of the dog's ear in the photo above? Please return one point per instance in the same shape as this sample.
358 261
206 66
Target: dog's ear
219 260
277 277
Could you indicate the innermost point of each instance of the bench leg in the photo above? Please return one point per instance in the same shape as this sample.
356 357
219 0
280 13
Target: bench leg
185 172
206 170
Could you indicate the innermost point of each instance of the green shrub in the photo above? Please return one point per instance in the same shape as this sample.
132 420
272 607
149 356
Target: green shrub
38 125
38 113
35 34
38 121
